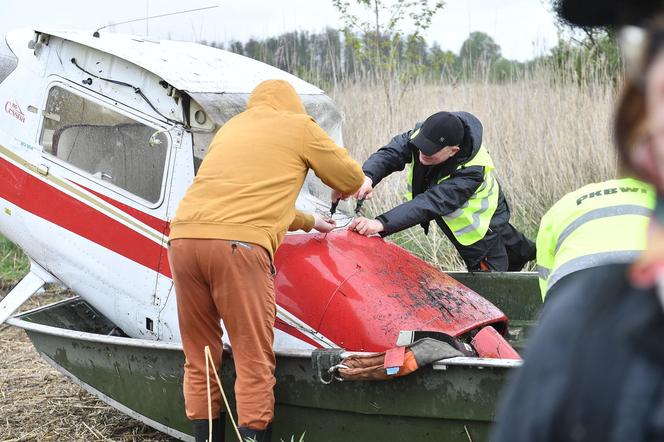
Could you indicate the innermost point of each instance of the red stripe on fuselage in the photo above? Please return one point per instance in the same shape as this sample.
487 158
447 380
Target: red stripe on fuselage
158 224
52 204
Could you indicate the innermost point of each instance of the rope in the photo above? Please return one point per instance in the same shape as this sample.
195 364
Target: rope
209 394
208 361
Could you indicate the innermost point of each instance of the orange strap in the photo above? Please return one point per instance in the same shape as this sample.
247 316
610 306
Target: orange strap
372 368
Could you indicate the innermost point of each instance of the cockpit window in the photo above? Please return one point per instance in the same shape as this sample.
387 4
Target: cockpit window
107 145
8 60
220 108
223 107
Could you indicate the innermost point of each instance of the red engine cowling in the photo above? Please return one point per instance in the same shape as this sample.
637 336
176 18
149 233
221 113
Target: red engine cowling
489 344
361 292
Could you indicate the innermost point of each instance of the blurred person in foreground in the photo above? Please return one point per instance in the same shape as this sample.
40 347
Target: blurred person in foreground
594 368
452 181
222 243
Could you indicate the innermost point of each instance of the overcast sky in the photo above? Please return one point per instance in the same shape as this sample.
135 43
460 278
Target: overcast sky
523 28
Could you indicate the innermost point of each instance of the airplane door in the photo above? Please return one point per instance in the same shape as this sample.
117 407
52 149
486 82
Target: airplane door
103 202
182 165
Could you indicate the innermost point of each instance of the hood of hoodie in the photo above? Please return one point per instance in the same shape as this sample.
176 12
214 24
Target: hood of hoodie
278 95
472 139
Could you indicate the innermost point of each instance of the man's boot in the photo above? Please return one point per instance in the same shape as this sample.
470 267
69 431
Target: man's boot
256 435
202 431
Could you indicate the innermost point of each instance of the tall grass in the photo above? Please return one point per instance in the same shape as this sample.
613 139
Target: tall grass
13 263
548 132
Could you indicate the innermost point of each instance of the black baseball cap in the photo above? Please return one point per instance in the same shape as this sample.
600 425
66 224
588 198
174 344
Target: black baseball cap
607 12
438 131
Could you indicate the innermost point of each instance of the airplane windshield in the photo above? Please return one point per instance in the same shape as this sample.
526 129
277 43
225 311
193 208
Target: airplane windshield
8 60
222 107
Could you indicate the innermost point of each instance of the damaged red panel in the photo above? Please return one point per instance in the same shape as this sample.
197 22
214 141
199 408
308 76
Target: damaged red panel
361 292
488 343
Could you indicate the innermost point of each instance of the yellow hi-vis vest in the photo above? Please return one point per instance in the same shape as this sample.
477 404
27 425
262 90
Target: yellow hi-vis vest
470 222
598 224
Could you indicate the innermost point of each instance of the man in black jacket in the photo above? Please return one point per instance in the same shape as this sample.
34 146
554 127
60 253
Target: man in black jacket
452 182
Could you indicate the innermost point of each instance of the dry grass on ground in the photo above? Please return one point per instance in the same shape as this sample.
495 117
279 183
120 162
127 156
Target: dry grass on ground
37 403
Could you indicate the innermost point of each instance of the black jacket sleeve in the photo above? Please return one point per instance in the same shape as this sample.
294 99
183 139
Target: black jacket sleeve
390 158
441 199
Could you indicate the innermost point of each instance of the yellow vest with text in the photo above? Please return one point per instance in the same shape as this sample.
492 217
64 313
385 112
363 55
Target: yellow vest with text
598 224
470 222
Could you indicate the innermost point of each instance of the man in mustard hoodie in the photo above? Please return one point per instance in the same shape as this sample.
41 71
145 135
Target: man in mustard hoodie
223 239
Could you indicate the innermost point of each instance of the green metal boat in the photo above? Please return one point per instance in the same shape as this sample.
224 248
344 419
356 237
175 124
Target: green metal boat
451 400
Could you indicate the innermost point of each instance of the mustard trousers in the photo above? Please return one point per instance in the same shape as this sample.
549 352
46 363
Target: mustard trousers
230 281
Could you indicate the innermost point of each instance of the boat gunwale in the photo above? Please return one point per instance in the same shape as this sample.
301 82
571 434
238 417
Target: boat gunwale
525 275
50 330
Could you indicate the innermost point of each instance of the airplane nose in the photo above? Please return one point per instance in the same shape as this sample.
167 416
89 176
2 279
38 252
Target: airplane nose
360 292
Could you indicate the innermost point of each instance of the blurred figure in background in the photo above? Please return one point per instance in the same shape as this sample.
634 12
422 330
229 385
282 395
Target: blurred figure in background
594 368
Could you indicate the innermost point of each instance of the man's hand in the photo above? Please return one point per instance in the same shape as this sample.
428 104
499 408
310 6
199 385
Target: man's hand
366 190
323 224
336 196
365 226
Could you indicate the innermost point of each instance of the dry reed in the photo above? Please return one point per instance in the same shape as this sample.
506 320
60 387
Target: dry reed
545 136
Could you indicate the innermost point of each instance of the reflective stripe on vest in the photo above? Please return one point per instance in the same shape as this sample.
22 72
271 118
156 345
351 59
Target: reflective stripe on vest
470 222
604 212
589 261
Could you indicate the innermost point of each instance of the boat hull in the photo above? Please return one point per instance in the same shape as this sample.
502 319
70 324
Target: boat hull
453 400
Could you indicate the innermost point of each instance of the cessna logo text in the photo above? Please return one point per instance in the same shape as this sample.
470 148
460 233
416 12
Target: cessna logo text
610 191
13 109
